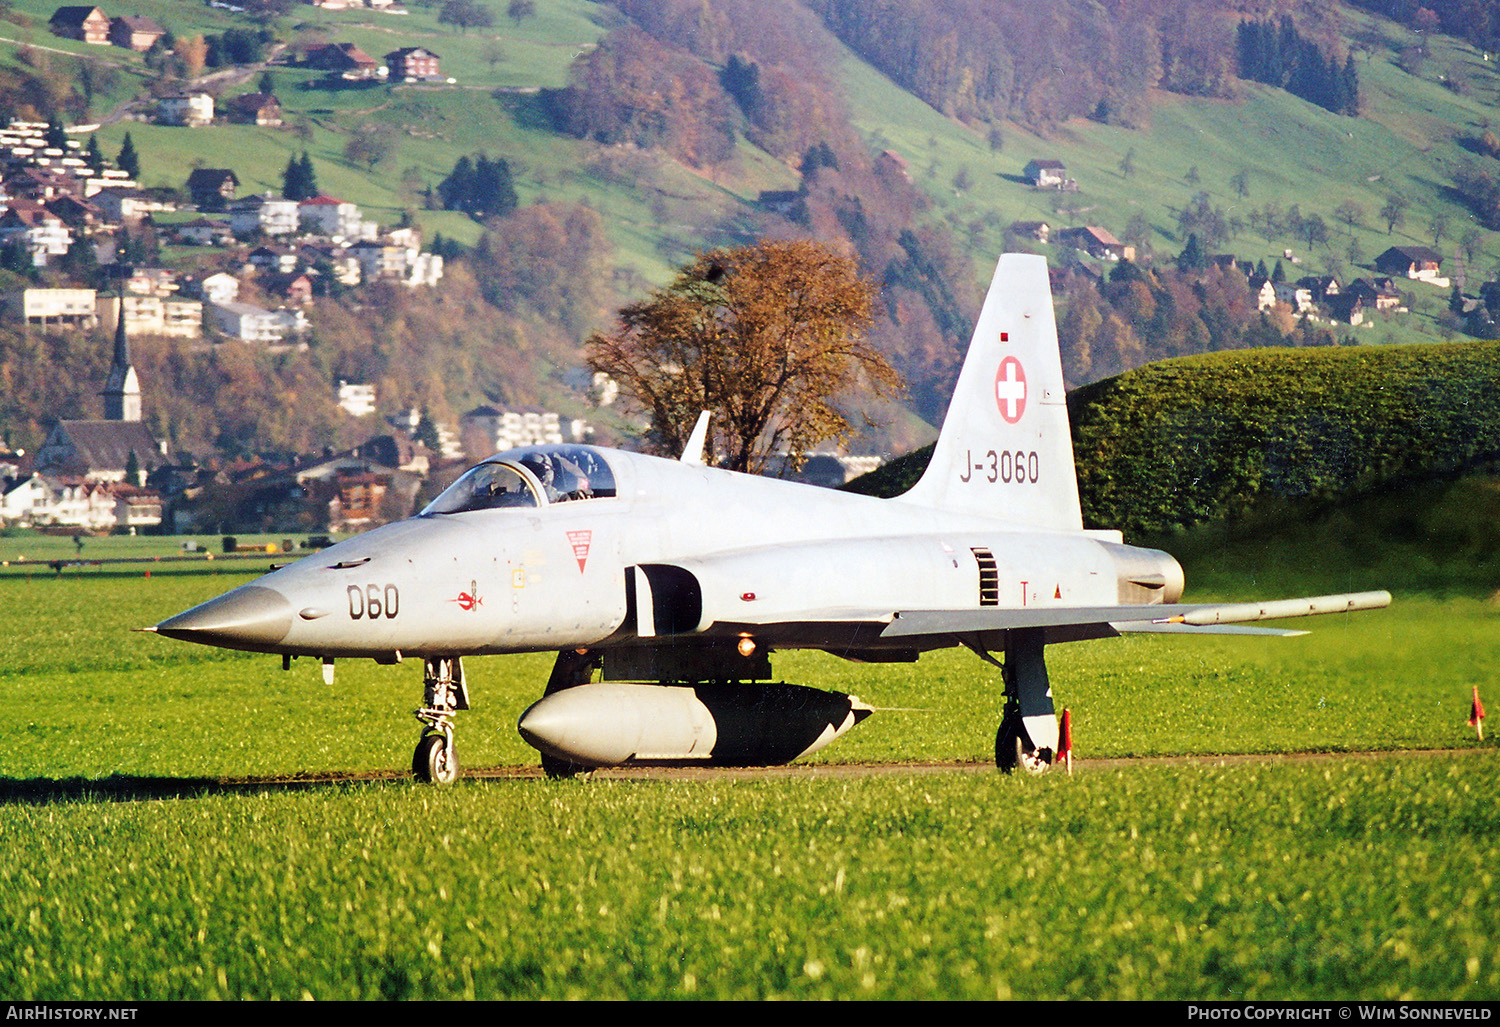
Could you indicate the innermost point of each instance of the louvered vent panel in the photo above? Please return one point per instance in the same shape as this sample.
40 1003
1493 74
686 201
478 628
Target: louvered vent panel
989 577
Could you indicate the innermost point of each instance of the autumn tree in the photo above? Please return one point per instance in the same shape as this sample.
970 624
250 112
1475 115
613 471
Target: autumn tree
768 337
193 52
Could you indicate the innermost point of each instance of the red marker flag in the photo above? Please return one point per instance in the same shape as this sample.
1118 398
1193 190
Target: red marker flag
1476 714
1065 742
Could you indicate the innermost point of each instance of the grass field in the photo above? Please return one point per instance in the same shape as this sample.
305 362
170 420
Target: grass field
1353 879
133 867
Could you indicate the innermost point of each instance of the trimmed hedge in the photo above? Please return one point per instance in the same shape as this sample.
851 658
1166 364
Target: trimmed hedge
1203 438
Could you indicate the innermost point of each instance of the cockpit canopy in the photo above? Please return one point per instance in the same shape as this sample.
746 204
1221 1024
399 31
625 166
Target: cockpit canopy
534 476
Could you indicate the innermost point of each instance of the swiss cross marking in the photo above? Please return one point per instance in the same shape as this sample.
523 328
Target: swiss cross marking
1010 390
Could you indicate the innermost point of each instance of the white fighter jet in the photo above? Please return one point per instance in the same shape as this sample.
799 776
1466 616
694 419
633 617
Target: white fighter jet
674 581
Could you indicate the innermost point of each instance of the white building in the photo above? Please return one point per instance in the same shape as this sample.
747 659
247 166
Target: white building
127 204
154 315
219 288
357 398
245 322
267 214
39 231
424 269
193 109
82 503
509 429
20 496
336 219
54 306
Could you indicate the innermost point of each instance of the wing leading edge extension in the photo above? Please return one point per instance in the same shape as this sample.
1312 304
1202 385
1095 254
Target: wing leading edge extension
1101 621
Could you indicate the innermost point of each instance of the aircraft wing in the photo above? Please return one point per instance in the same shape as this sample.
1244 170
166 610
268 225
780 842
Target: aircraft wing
1071 623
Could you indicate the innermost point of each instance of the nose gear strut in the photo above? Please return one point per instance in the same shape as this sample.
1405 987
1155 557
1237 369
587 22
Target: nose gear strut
443 695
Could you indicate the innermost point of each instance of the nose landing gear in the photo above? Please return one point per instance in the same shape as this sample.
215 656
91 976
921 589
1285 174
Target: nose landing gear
443 694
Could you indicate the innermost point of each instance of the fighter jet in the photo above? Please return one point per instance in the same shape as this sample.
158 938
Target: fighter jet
674 582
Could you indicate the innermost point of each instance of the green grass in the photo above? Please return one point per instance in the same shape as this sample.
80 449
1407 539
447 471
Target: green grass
1348 880
1351 876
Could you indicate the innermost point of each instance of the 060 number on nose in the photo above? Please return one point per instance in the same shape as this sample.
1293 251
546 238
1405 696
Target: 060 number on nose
373 601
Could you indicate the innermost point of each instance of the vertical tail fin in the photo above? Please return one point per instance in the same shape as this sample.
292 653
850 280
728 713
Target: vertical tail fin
1006 450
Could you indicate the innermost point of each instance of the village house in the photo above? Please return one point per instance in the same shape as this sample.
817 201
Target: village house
135 32
1379 294
1037 231
1263 291
87 24
501 430
1295 295
326 216
344 60
412 64
19 495
1348 307
333 260
1320 287
29 182
145 280
218 288
212 188
81 216
261 109
193 109
264 214
1417 262
379 259
127 205
1047 173
1096 242
270 258
294 287
356 398
203 232
45 500
39 232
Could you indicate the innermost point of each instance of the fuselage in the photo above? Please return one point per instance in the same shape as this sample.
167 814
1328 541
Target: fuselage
579 571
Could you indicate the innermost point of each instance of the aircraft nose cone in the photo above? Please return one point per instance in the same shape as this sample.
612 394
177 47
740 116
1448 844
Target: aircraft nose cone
250 617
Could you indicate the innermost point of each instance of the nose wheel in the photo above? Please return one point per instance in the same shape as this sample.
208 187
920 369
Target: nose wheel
443 694
435 761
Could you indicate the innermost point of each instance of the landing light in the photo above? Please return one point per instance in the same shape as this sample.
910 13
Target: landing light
746 646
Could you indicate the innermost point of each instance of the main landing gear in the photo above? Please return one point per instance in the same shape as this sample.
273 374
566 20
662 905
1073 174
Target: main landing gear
443 695
1028 735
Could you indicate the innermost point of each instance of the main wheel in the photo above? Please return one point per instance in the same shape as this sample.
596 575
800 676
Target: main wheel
1013 748
433 763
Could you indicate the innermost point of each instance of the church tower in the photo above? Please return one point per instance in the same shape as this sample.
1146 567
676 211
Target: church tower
122 390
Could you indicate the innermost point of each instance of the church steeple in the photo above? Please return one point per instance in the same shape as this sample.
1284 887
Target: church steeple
122 390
